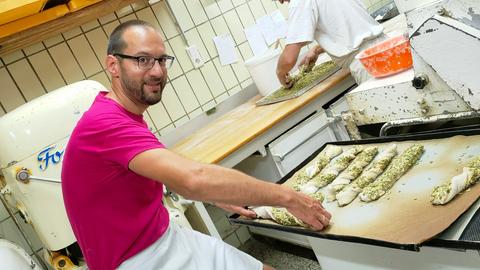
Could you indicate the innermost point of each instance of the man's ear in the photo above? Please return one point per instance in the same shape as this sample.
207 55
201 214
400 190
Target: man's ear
113 65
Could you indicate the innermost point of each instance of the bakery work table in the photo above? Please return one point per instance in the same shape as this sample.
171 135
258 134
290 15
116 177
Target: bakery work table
247 128
226 140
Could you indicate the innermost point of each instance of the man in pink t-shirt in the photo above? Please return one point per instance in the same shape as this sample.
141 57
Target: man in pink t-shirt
114 169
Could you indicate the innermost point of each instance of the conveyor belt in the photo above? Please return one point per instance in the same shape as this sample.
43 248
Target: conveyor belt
472 231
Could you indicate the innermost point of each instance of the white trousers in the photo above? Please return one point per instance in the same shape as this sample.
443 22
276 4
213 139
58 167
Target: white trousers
185 249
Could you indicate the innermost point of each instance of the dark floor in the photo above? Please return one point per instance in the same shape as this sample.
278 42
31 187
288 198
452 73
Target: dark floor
281 255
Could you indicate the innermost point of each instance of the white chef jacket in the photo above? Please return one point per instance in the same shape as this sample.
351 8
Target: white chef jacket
339 26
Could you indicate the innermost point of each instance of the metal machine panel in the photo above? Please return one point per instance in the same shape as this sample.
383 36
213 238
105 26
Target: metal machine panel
394 97
451 49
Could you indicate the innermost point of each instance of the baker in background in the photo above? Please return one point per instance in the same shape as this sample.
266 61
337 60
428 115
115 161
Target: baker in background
114 170
342 28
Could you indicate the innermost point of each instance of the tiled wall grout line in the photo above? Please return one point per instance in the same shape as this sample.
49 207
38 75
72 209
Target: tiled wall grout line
96 56
214 66
195 28
16 84
204 44
3 108
56 66
178 96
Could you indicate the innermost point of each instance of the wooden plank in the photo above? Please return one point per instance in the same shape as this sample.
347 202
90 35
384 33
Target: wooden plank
41 32
243 124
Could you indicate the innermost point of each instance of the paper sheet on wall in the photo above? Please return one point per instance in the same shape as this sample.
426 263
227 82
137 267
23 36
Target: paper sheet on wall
226 49
280 23
267 27
255 40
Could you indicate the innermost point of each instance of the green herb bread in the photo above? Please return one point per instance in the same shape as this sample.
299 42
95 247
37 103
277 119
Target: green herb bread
397 168
305 174
302 80
352 172
470 175
350 192
283 217
327 175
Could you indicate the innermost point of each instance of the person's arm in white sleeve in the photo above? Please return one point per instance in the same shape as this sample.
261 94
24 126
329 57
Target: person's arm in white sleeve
302 22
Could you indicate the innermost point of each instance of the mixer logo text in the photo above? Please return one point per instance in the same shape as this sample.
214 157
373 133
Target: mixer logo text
48 156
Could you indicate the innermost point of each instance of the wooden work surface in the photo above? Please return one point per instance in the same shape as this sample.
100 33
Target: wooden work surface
243 124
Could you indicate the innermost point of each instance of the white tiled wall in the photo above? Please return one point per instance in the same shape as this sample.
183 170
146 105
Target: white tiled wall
79 54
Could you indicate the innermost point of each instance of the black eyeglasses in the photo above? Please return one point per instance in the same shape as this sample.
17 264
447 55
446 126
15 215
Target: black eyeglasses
147 62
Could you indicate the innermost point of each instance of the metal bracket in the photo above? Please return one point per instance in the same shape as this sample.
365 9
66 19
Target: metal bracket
5 190
426 120
262 151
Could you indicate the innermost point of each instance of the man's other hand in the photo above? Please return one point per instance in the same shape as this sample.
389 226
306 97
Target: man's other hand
311 57
237 209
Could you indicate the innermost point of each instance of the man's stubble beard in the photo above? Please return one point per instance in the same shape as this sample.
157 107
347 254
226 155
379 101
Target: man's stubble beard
137 93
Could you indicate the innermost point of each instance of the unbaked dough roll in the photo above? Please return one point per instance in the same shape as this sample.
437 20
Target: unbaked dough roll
305 174
397 168
470 175
327 175
350 192
281 215
351 172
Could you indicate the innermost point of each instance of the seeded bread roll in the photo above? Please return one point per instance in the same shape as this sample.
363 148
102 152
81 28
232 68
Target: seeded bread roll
330 172
352 172
350 192
283 217
305 174
444 193
397 168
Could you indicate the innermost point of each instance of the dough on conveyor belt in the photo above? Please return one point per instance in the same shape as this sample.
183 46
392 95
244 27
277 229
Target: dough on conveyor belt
351 172
331 171
350 192
399 166
470 175
305 174
281 215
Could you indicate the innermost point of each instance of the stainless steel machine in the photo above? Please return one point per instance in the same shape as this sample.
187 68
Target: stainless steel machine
444 83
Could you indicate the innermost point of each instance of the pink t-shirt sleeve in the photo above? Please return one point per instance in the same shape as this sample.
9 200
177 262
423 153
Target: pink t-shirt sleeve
126 139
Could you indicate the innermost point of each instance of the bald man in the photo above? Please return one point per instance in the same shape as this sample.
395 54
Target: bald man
114 170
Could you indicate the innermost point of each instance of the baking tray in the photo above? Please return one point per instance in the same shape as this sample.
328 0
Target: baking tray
265 100
415 221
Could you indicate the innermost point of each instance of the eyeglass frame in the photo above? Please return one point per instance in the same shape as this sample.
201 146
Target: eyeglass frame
160 59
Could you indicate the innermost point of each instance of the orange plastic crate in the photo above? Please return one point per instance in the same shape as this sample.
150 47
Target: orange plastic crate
387 57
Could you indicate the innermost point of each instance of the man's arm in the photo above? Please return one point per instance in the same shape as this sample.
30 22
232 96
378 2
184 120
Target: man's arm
312 56
212 183
287 61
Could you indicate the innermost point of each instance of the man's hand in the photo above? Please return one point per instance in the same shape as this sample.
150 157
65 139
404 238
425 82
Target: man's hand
311 57
284 78
237 209
287 61
310 211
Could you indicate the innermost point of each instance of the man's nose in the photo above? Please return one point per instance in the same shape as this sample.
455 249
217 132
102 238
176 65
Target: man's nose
158 69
